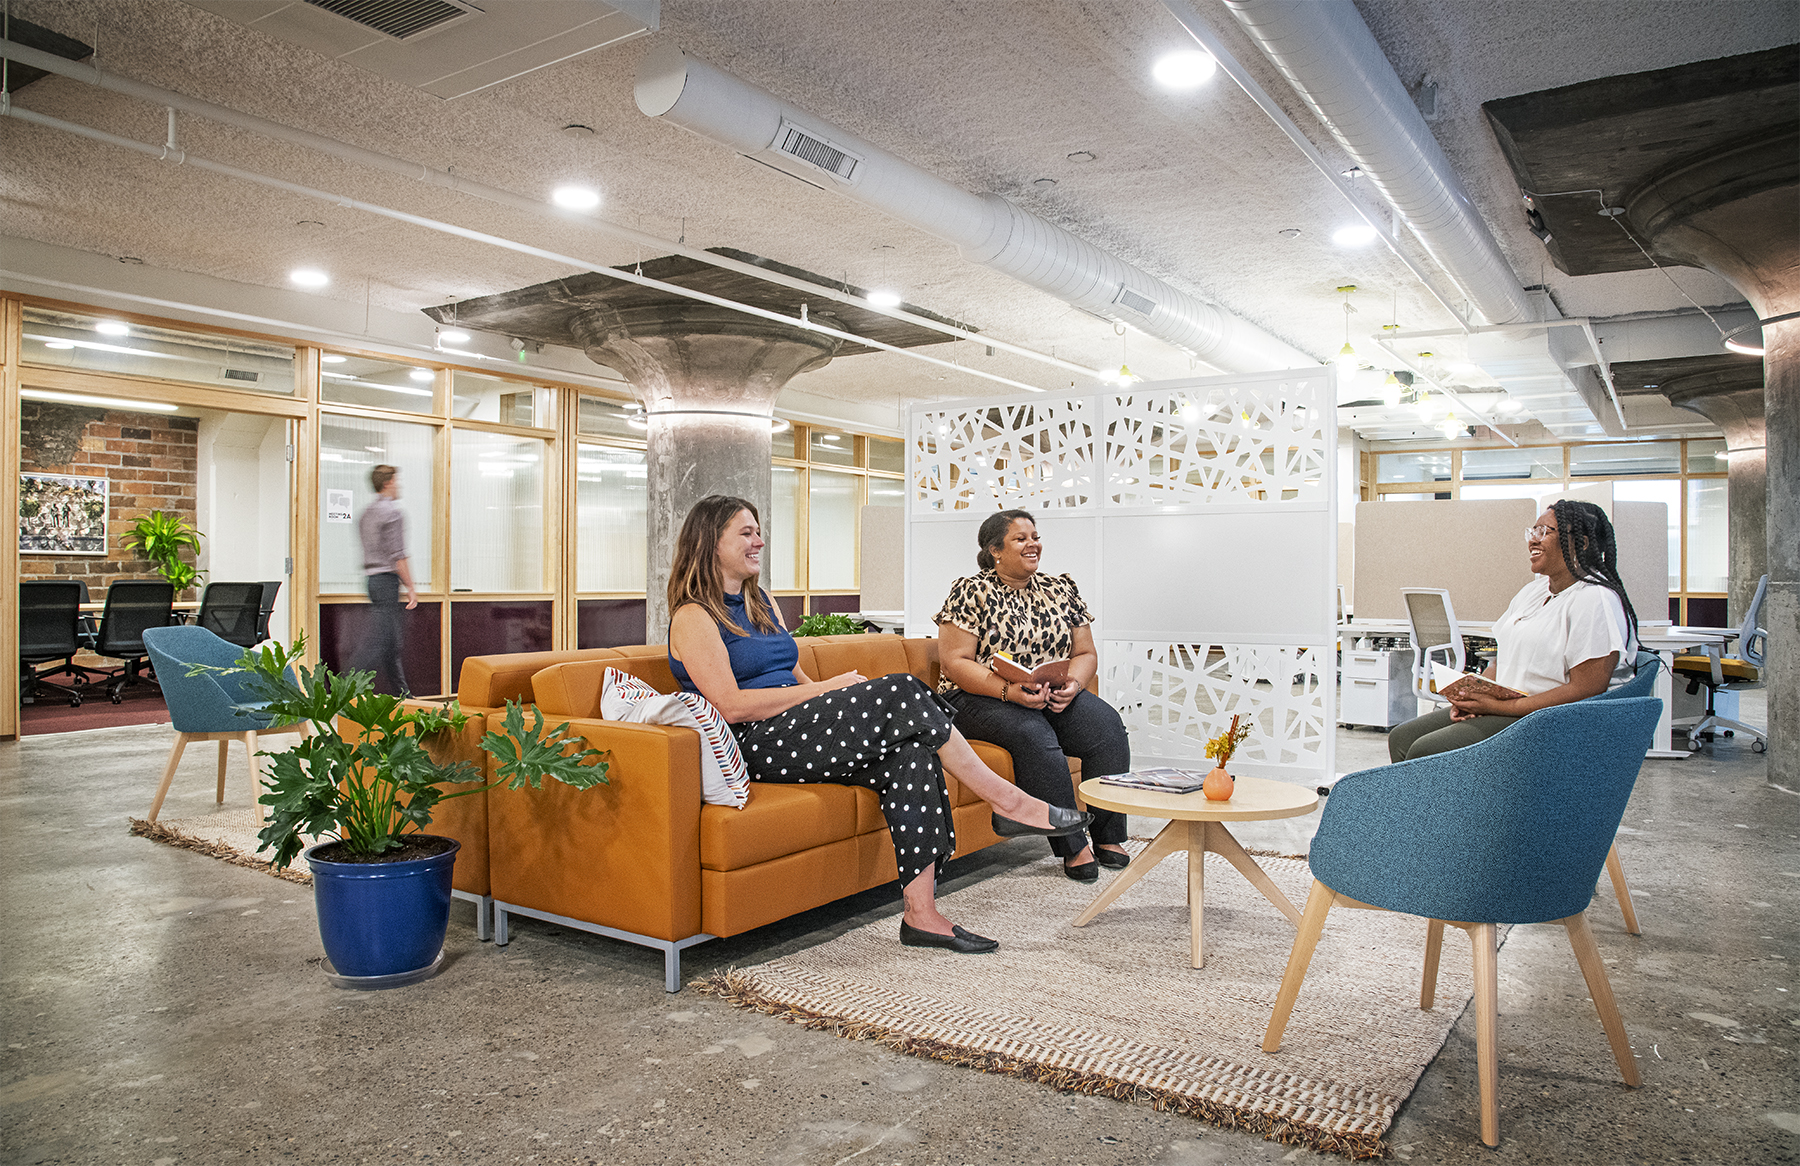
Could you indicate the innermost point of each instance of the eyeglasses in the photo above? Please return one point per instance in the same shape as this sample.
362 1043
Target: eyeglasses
1538 534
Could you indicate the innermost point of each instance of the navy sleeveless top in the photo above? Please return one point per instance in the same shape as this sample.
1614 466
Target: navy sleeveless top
758 660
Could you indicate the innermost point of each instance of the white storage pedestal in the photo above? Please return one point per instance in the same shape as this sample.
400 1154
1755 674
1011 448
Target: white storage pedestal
1375 688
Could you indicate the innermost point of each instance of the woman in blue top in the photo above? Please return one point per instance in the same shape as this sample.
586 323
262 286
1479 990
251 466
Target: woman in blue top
889 734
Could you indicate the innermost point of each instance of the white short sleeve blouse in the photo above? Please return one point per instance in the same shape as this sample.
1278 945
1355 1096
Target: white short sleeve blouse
1542 636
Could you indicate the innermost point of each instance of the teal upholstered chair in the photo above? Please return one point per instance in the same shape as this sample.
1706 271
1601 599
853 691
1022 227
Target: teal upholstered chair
1514 829
1642 684
207 707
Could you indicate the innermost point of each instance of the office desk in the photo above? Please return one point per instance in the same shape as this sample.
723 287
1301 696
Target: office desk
1668 643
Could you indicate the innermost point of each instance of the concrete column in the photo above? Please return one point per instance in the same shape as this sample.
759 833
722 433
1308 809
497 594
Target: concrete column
1732 211
708 379
1733 400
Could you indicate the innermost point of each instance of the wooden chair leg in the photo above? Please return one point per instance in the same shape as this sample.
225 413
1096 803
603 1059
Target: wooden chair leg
1312 925
1617 871
162 791
1487 1029
1434 945
224 752
1593 970
255 775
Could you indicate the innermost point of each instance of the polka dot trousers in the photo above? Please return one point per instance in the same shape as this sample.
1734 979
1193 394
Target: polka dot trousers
882 734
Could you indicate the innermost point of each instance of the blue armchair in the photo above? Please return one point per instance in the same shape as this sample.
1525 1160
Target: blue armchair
1640 685
1514 829
205 707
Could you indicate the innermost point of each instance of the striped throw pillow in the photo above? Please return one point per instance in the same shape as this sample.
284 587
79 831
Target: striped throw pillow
724 778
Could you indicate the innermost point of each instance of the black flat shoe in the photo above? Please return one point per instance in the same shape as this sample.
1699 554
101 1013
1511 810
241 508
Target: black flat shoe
961 941
1111 859
1061 822
1086 872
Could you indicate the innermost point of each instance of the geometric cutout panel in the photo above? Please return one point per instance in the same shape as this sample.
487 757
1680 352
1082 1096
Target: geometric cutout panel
1035 455
1175 697
1261 441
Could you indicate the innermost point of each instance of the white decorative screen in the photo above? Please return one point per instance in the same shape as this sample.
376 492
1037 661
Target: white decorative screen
1198 518
1037 454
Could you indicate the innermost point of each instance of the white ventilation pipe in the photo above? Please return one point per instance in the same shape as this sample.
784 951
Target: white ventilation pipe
1331 59
985 228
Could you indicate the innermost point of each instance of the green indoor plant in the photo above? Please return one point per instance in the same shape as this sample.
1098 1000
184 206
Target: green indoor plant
365 779
821 623
161 536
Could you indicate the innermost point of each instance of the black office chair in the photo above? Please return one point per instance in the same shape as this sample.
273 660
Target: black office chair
132 605
49 629
232 611
271 588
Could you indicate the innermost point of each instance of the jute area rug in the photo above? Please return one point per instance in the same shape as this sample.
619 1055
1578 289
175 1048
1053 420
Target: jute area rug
1115 1009
227 834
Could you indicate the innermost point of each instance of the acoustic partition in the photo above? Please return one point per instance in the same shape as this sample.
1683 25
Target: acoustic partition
1199 520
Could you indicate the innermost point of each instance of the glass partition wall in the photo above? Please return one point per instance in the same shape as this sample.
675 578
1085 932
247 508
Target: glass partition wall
1688 476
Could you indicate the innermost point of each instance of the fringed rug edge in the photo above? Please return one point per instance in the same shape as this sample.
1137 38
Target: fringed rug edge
738 988
157 832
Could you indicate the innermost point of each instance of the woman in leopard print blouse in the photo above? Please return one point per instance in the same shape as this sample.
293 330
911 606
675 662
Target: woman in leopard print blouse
1010 607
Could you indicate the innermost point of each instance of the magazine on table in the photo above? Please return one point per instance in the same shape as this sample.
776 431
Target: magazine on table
1055 673
1462 685
1169 781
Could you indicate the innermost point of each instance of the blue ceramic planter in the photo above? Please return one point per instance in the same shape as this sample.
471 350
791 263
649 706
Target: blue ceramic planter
382 918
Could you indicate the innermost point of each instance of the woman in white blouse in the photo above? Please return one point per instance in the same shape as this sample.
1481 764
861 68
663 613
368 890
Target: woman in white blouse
1568 634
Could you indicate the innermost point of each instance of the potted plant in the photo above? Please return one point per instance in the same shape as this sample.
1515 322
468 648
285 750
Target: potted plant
161 536
1220 785
382 885
821 623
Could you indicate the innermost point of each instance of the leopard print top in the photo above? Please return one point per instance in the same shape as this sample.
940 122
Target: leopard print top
1034 623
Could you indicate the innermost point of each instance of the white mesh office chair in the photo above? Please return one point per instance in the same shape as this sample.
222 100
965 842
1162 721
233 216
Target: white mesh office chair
1436 638
1722 673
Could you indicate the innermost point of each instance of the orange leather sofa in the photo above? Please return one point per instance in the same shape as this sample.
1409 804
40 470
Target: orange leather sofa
643 859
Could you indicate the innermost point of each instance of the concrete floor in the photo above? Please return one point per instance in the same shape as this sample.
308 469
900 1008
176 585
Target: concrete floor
162 1008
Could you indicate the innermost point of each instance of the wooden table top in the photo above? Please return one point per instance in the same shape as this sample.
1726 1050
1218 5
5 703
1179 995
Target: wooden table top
1255 799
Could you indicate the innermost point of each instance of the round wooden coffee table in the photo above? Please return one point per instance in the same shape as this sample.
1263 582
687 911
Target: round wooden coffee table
1197 826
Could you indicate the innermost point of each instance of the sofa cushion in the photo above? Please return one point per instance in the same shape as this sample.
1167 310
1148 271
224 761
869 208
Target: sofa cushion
647 662
870 655
572 689
778 820
487 682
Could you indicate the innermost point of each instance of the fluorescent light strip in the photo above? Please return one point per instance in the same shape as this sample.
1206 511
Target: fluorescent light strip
83 399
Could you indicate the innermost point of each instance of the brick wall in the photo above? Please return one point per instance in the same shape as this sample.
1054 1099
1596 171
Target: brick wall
149 460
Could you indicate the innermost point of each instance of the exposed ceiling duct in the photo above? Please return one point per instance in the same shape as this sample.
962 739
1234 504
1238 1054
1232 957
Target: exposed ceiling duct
1331 59
985 228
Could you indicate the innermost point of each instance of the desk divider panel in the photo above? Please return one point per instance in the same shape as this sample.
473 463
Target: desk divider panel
1199 520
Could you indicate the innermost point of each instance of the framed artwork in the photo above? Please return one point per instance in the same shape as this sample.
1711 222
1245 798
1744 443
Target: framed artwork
62 515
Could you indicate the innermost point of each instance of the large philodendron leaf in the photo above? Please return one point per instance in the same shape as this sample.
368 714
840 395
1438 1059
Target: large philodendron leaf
529 755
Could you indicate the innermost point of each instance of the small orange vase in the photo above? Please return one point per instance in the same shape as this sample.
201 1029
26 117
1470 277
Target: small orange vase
1219 785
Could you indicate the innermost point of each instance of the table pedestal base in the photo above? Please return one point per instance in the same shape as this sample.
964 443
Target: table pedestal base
1196 838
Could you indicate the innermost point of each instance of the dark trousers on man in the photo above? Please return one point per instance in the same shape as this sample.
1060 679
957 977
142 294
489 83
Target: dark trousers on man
1041 743
381 652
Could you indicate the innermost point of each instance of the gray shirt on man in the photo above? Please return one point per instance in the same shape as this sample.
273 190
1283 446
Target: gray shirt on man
383 530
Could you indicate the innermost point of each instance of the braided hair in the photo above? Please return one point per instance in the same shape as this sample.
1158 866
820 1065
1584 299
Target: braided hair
1590 550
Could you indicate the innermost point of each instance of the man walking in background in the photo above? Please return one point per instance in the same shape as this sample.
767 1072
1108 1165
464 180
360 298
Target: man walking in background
383 530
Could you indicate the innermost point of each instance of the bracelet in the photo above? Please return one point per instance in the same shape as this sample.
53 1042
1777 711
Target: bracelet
1003 687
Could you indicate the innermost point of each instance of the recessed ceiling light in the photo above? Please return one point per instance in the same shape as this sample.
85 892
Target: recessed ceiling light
1187 69
452 336
577 130
1043 183
421 375
333 359
883 299
1289 232
112 328
1083 156
575 198
1359 235
309 277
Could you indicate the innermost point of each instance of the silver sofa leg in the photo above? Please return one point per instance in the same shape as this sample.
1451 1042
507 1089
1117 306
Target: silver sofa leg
671 948
484 908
